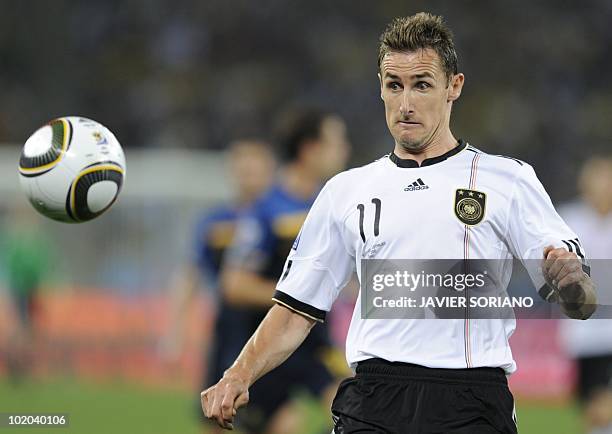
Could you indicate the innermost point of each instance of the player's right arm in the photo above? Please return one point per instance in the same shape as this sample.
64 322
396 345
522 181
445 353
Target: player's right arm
280 333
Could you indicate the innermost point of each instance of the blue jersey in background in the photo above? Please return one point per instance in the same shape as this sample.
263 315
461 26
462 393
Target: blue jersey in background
265 234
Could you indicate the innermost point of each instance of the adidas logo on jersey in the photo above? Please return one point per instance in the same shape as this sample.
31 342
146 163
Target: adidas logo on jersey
417 185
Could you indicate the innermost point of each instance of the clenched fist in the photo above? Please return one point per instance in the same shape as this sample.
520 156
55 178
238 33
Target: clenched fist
221 401
562 268
573 287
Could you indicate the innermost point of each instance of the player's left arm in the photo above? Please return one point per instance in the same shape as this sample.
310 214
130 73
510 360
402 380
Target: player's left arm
573 288
550 251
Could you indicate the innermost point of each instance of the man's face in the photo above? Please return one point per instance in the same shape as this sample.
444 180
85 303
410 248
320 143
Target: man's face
417 96
251 168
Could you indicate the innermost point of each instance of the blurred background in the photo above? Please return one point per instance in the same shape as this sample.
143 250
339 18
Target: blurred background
176 82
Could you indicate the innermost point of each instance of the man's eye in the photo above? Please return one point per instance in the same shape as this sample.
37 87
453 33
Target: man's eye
422 85
394 85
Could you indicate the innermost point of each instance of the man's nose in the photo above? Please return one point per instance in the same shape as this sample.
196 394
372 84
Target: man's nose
406 107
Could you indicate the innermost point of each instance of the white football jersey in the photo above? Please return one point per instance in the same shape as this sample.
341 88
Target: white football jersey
394 209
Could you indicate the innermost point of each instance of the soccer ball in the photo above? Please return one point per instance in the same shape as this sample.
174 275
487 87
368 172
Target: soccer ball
72 169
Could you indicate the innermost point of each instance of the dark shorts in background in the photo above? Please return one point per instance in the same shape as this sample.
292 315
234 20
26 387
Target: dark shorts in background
401 398
594 375
303 372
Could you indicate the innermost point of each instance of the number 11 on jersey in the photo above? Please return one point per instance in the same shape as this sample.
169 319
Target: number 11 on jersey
361 207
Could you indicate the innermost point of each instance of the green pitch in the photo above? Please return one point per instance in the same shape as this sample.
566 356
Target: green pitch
120 408
101 409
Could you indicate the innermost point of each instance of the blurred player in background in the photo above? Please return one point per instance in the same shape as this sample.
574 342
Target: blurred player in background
590 342
25 251
315 147
251 167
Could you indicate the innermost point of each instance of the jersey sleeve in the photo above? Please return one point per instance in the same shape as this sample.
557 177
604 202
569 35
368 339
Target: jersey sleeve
533 224
318 266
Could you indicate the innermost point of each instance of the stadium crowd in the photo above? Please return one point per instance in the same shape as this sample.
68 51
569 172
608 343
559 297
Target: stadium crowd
200 74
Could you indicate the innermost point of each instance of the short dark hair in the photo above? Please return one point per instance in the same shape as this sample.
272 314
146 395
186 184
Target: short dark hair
420 31
295 128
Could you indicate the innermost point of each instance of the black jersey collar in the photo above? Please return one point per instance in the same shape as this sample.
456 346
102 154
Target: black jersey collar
409 163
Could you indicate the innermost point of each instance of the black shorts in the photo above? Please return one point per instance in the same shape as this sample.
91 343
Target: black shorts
401 398
594 375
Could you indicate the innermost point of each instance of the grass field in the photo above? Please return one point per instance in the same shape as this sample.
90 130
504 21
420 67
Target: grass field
120 408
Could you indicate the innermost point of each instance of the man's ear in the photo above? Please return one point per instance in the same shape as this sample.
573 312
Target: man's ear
455 87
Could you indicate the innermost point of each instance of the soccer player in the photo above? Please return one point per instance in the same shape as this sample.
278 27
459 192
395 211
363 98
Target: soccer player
315 147
590 342
250 166
433 197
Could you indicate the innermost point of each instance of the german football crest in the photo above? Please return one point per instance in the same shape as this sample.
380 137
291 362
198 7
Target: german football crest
470 206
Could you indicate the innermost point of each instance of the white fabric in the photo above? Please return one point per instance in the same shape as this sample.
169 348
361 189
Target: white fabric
519 220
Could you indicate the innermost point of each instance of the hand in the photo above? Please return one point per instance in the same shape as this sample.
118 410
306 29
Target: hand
562 269
574 289
221 401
